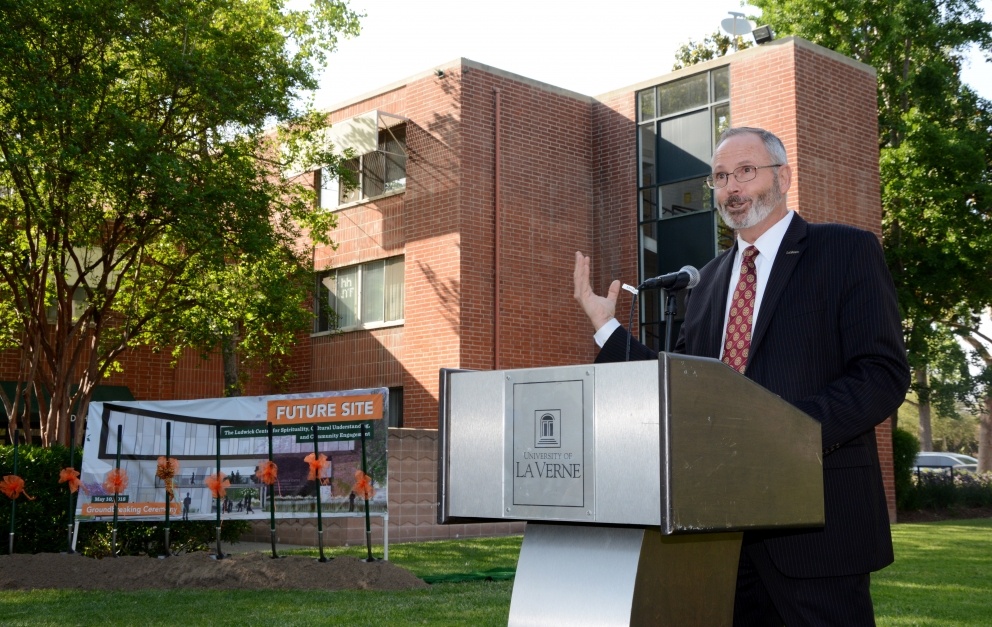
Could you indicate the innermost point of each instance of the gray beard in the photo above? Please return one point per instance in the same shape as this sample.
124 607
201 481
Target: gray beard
761 206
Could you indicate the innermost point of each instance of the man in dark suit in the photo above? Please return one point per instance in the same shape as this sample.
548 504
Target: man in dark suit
813 317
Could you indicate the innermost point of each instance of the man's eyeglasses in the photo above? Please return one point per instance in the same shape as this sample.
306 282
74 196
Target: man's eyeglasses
743 174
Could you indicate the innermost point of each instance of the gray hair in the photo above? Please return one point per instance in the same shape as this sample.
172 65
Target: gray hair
773 144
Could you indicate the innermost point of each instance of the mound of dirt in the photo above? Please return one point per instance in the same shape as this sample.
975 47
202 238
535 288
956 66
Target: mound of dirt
245 571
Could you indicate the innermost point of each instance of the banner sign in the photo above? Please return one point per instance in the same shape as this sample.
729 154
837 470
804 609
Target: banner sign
310 410
341 420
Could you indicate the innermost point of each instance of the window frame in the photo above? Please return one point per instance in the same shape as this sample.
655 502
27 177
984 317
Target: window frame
325 312
651 212
391 151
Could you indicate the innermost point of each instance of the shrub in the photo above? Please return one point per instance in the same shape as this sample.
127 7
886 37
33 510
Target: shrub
42 525
974 490
933 490
905 446
148 537
946 489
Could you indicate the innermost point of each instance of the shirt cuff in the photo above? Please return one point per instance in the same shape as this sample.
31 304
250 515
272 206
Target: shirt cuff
605 332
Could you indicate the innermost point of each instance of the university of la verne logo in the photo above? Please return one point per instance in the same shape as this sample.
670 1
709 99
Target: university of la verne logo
547 425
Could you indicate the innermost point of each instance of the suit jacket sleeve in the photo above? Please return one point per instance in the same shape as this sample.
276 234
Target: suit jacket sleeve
862 378
615 349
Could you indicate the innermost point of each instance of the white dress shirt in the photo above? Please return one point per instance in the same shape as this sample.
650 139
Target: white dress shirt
767 245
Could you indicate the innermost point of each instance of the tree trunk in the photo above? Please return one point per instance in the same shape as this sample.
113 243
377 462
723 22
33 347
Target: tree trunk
985 437
984 417
232 378
926 432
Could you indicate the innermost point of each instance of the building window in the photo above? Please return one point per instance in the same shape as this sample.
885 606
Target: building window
395 418
377 173
678 125
365 296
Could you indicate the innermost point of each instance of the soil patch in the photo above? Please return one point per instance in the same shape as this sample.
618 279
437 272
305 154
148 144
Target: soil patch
244 571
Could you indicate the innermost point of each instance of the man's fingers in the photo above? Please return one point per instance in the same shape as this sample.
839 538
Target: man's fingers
614 292
580 276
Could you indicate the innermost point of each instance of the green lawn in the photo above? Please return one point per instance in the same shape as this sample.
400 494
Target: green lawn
942 576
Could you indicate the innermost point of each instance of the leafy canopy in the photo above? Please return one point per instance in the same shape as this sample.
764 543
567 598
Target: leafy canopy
137 162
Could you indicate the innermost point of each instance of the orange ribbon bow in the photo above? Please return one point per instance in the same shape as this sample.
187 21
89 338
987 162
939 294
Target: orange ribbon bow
218 484
12 487
70 476
318 466
363 485
267 472
168 468
116 481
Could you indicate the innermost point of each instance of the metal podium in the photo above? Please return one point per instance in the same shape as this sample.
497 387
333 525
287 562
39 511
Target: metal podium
636 480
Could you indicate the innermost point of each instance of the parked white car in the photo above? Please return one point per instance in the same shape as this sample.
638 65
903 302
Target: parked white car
942 461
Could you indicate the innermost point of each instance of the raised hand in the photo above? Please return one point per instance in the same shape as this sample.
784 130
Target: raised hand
599 309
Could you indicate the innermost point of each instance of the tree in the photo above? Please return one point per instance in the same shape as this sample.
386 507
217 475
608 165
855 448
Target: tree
936 150
982 345
138 170
713 46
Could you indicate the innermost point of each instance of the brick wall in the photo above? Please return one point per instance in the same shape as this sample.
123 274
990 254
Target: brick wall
432 306
446 226
615 240
545 189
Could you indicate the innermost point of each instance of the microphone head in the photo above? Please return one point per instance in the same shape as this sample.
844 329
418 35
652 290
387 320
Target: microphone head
693 276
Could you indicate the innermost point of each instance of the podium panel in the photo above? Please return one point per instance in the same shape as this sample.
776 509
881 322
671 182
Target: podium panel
685 444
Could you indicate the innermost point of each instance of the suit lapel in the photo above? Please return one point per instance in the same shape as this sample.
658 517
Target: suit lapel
791 250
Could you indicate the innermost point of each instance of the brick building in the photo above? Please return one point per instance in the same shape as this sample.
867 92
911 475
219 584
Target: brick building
477 186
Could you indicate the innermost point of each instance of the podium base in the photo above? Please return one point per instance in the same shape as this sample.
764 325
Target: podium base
588 575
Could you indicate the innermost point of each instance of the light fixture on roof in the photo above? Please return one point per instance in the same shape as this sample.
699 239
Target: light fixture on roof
762 34
439 73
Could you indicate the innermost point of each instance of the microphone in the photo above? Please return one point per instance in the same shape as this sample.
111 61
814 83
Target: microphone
686 278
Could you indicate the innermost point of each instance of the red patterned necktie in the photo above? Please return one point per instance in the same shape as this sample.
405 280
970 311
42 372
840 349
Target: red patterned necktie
738 340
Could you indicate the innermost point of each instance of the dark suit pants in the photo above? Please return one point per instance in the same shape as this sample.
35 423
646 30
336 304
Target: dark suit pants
766 597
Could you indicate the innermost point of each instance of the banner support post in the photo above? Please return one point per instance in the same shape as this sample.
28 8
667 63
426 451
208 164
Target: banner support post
220 554
117 494
272 499
72 464
320 518
168 454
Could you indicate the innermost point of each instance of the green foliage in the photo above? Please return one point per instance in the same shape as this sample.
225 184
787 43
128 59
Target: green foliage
956 434
148 538
955 431
941 490
951 386
905 446
139 163
917 46
713 46
40 525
